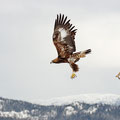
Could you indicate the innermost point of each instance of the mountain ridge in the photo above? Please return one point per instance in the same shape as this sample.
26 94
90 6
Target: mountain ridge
71 110
112 99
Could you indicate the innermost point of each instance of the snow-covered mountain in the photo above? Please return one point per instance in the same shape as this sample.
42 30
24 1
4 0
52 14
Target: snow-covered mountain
110 99
81 107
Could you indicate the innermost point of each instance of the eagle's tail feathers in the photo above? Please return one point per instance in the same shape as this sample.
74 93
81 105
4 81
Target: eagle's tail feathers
84 53
87 51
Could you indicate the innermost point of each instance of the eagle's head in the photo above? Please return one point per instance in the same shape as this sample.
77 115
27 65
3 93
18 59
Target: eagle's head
58 60
54 61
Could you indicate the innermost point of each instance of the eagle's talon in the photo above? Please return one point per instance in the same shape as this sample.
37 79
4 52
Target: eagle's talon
73 75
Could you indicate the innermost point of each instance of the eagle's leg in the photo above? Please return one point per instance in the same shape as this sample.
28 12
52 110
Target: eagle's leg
74 69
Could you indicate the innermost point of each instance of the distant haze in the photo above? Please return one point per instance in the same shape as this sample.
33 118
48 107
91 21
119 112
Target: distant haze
26 48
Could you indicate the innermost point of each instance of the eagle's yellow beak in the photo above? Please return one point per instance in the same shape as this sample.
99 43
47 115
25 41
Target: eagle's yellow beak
73 75
51 62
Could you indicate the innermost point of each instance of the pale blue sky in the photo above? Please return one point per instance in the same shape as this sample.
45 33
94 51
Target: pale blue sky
26 48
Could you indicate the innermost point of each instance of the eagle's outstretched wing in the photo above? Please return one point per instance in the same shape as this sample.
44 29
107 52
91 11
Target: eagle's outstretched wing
63 36
118 75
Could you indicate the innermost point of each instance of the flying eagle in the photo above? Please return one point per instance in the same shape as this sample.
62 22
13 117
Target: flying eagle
118 75
64 41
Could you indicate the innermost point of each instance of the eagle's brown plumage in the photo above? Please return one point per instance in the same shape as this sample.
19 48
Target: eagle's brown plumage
118 75
64 41
63 36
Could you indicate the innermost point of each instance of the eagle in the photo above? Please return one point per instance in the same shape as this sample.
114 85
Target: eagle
118 75
64 41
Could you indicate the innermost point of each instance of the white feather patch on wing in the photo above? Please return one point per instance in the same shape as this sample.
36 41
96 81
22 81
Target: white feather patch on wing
63 33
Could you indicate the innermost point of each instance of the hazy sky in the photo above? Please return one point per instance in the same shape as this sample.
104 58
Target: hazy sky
26 48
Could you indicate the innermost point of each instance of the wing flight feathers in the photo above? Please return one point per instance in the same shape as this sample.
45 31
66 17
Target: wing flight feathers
63 36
